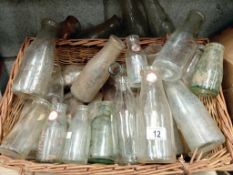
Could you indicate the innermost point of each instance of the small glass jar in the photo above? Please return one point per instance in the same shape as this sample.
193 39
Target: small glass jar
52 138
198 128
25 134
103 146
135 60
208 75
78 138
155 135
37 65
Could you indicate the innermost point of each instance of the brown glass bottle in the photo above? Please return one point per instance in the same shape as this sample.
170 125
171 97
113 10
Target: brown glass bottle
69 27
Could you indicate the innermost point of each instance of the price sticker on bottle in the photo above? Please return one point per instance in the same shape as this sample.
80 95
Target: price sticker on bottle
156 133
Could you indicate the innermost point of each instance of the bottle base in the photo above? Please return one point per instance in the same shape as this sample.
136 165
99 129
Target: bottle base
203 92
100 160
153 161
10 153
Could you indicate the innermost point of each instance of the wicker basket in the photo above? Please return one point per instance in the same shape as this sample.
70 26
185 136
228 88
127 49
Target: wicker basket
79 51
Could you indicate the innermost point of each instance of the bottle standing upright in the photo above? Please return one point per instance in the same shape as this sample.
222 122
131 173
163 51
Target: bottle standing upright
155 135
36 68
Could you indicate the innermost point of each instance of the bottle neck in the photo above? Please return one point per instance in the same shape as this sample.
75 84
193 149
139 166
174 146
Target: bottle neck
121 83
48 29
192 23
82 113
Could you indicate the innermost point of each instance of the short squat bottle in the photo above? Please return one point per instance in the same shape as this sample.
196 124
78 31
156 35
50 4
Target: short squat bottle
103 148
25 134
155 135
78 138
52 138
135 60
208 75
36 68
95 73
126 121
179 48
198 128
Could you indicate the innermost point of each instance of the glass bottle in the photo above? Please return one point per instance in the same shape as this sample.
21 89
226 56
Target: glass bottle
69 27
56 86
52 138
208 75
78 138
103 146
191 66
25 134
125 117
95 73
159 22
155 135
179 48
193 120
37 65
133 21
135 60
103 30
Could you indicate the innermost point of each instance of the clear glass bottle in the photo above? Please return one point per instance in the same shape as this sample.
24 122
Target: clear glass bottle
126 121
56 86
191 66
52 138
133 21
103 146
37 65
155 135
135 60
193 120
25 134
179 48
159 22
78 138
95 73
208 75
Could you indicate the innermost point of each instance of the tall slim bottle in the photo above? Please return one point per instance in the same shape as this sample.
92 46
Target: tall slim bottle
133 21
155 135
159 22
179 48
193 120
95 73
135 60
36 68
126 125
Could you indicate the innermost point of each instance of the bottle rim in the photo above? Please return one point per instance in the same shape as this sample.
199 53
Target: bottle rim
215 45
117 42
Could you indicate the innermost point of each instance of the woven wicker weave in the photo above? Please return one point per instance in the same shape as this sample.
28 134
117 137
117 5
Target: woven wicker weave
79 51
